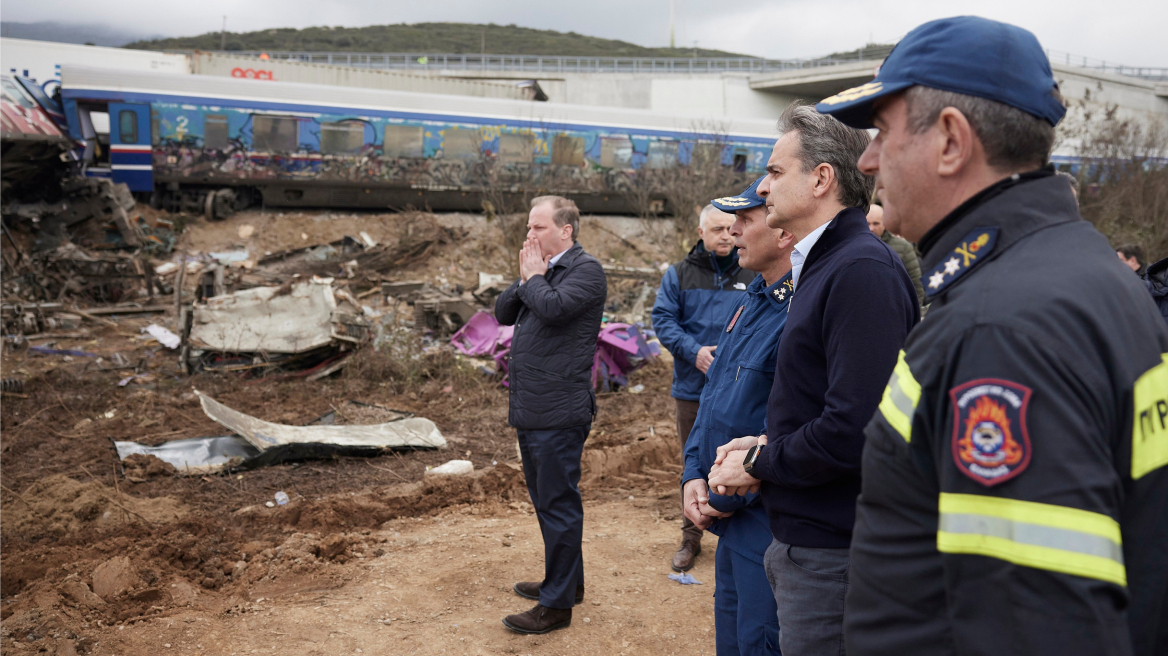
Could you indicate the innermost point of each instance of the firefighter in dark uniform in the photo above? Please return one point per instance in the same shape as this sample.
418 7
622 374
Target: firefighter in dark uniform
1015 477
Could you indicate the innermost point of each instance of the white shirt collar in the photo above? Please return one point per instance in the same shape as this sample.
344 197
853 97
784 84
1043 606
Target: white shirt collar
802 250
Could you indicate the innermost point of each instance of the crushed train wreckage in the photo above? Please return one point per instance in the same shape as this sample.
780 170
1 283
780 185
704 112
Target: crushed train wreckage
259 443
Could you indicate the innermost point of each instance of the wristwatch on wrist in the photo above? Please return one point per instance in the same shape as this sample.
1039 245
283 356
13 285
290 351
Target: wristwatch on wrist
751 458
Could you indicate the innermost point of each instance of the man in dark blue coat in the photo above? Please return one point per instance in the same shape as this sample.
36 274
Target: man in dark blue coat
733 404
556 307
853 307
694 302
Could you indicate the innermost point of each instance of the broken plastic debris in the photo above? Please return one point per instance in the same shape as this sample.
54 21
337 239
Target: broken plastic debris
281 498
44 350
452 468
685 579
636 389
164 336
323 441
197 455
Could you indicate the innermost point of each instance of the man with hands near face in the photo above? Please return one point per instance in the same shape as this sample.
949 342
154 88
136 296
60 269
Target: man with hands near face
733 403
556 307
694 302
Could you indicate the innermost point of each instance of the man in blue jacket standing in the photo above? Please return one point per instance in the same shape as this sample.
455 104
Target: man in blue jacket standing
733 404
854 305
693 304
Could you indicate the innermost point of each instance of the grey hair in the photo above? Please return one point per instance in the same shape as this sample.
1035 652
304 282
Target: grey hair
824 140
564 211
707 211
1014 140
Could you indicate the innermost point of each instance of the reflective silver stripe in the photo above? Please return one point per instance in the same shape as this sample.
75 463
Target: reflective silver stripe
1032 534
898 396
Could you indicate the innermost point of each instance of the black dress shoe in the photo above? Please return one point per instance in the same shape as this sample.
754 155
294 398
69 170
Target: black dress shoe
530 590
539 620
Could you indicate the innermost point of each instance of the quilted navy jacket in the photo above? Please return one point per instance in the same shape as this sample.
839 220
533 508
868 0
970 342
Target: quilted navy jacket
556 319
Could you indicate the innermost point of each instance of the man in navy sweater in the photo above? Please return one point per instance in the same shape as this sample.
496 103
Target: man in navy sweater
853 306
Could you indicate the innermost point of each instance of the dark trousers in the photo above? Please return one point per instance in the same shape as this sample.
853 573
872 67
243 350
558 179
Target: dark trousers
809 585
745 620
687 414
551 466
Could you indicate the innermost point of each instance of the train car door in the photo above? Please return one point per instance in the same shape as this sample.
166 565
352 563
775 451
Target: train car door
130 150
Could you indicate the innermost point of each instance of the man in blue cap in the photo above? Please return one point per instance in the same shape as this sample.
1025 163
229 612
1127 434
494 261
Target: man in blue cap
694 301
733 404
1015 487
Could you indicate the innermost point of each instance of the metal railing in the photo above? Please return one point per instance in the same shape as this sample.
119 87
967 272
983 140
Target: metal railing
1150 73
546 64
421 61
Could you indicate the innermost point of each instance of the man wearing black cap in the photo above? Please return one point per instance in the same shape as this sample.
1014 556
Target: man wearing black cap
1015 488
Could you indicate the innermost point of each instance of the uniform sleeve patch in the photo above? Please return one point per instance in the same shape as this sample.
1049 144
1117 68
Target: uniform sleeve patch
991 443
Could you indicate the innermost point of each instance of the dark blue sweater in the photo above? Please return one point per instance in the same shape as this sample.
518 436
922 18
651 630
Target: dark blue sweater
852 309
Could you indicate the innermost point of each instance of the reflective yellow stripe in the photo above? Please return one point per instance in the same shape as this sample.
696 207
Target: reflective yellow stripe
901 396
1150 420
1038 535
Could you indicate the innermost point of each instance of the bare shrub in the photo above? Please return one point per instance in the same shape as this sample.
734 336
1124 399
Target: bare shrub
1124 174
687 188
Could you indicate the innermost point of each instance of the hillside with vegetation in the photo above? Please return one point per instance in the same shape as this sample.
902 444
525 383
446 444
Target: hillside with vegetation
458 38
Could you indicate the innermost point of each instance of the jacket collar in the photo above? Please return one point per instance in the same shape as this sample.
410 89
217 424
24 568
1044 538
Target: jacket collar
986 225
778 294
701 257
849 222
568 257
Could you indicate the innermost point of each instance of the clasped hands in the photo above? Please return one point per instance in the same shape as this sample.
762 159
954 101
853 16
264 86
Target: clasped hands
726 476
531 260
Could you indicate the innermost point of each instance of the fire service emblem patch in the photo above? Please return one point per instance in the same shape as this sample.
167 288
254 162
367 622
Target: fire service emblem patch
990 442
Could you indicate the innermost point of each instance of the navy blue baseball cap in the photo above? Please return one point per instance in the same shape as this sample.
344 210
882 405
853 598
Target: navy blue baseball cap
743 201
965 54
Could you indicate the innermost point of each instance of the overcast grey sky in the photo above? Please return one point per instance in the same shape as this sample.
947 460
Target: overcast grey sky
1125 31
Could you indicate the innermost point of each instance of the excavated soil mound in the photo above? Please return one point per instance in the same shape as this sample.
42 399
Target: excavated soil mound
58 505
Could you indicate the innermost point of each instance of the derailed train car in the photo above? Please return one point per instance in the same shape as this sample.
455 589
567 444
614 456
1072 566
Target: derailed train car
201 142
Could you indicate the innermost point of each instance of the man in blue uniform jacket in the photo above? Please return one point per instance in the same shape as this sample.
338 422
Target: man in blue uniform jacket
733 403
693 304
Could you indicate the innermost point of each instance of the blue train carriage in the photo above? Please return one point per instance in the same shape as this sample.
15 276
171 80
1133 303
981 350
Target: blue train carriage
191 141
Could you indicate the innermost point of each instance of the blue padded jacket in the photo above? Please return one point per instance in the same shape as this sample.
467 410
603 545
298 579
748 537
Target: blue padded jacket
693 304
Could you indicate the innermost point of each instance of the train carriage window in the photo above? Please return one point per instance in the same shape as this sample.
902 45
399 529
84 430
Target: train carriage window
616 152
345 137
568 151
516 148
128 126
403 141
706 155
462 144
215 133
662 154
274 134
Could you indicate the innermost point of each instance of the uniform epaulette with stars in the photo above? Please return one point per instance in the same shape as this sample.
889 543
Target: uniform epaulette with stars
783 291
972 250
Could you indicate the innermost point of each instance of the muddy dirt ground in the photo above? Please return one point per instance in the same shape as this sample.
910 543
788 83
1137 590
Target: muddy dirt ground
371 555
